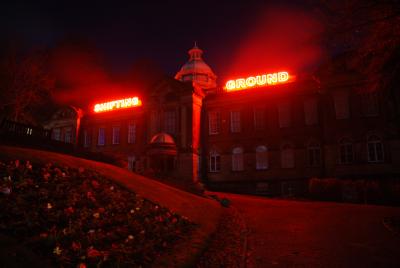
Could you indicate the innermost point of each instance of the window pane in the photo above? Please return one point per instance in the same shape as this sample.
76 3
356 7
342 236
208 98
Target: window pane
311 112
214 122
259 118
284 115
341 101
132 133
235 121
101 137
170 122
115 135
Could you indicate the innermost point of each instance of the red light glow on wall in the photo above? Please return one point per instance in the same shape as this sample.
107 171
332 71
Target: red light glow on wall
117 104
257 81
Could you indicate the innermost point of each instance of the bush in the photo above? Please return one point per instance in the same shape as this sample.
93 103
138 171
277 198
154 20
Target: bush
329 189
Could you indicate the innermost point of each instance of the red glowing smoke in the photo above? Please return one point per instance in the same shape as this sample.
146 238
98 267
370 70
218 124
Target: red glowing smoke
282 39
83 79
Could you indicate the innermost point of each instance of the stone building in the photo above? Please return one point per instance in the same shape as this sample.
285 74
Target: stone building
268 138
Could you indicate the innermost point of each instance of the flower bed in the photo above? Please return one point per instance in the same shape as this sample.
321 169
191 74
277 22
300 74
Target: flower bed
75 217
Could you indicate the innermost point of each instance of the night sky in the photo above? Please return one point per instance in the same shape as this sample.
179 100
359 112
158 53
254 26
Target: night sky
125 32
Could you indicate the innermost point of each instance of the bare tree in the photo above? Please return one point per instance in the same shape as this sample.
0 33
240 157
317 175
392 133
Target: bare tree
25 84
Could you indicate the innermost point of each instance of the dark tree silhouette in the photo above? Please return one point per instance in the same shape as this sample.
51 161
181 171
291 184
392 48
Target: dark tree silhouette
25 84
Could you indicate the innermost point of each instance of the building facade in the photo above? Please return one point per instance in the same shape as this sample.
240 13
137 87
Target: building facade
268 138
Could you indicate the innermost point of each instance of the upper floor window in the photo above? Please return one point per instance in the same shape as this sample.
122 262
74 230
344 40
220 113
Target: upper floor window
86 138
311 112
346 151
170 122
235 121
261 157
259 118
237 159
115 134
154 122
287 156
375 149
131 132
215 161
284 115
342 107
214 123
101 140
314 154
369 104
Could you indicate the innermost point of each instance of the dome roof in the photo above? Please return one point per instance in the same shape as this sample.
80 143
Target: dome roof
162 138
197 71
196 66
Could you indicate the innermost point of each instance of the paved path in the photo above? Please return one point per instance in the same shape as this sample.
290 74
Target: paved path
317 234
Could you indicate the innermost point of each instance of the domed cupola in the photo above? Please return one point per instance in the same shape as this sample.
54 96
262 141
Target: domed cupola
197 71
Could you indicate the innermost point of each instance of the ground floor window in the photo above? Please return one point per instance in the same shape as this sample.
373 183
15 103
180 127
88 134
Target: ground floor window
375 149
215 161
261 157
68 135
56 134
346 151
287 156
101 140
237 159
314 154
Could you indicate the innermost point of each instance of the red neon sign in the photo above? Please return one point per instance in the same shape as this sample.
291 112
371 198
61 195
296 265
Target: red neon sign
117 104
257 81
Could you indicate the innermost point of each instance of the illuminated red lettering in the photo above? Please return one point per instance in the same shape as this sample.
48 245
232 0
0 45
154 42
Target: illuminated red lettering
117 104
257 81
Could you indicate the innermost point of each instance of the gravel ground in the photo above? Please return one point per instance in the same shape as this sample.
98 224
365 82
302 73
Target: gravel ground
227 247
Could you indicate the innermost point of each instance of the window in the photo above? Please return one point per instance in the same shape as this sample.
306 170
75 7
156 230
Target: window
287 156
375 149
311 112
215 161
259 118
132 163
170 122
86 139
68 135
237 159
101 140
235 121
314 154
115 134
132 132
369 104
341 101
346 151
284 115
154 123
56 134
261 157
214 119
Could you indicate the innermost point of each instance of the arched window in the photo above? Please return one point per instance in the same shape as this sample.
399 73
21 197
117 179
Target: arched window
237 159
261 157
314 154
215 161
375 149
287 156
346 151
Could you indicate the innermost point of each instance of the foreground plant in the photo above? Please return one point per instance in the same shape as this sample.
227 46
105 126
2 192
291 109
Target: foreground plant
75 217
